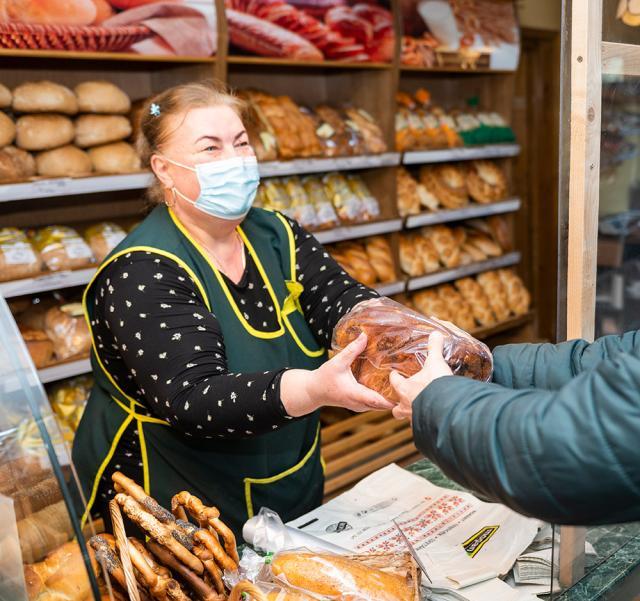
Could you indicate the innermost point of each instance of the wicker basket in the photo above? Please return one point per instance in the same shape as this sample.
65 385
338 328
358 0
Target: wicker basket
28 36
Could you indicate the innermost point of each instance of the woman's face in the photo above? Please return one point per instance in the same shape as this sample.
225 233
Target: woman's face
201 135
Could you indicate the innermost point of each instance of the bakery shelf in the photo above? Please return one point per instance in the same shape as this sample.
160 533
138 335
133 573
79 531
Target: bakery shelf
260 61
49 281
299 166
464 153
390 288
103 56
348 232
64 370
476 210
504 326
67 186
448 275
456 70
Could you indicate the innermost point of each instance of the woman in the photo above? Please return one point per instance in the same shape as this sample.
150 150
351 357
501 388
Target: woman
210 323
555 436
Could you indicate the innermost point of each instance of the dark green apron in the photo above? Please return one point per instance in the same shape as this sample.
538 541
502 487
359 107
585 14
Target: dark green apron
281 469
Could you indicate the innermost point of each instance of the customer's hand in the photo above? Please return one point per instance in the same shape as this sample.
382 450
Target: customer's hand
407 389
332 384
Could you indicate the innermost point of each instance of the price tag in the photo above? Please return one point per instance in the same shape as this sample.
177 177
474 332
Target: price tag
48 187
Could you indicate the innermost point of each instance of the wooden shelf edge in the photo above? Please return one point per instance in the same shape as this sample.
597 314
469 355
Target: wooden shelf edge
456 70
504 326
68 369
276 62
105 56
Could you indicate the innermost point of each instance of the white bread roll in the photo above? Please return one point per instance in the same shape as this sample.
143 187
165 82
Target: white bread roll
93 130
102 97
7 130
66 161
5 97
42 132
119 157
44 97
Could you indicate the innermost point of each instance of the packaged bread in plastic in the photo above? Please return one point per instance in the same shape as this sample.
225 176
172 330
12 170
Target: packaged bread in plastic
332 132
38 344
336 577
325 213
275 196
369 201
18 258
300 207
261 136
67 329
370 130
68 399
61 248
398 339
103 238
348 205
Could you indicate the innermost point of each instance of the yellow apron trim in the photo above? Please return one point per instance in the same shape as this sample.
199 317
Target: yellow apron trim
323 463
132 249
303 348
145 419
103 467
292 470
245 324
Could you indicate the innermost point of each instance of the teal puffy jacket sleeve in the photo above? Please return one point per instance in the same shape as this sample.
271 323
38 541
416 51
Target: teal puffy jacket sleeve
556 436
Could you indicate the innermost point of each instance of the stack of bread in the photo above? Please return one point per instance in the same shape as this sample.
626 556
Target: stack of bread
320 202
479 302
370 262
436 247
450 186
280 129
53 329
71 133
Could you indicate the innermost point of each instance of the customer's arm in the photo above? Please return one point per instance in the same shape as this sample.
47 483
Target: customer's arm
551 366
569 456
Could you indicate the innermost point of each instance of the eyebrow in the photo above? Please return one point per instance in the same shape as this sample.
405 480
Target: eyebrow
216 139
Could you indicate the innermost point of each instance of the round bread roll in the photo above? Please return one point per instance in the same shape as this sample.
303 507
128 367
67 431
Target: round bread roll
93 130
51 12
5 97
118 157
16 164
42 132
44 97
7 130
67 161
102 97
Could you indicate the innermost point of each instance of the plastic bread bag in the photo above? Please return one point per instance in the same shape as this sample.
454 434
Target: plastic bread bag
69 399
301 208
348 205
18 258
369 201
361 120
103 238
67 329
275 196
61 248
340 578
317 194
332 131
246 590
398 339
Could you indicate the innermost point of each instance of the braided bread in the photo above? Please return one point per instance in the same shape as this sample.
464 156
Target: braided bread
354 260
497 295
486 182
483 243
500 231
445 244
407 191
411 261
477 299
381 258
518 297
459 309
428 254
429 303
447 184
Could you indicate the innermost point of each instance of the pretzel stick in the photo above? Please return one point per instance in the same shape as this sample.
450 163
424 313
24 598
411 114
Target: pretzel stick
128 486
208 540
228 538
158 532
123 547
197 584
158 569
107 559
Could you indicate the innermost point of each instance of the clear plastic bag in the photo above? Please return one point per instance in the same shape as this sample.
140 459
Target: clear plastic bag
67 329
398 339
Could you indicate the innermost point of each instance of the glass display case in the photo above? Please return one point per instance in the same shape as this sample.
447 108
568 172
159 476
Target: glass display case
39 527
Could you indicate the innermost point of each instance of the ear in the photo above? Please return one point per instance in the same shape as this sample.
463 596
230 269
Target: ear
160 168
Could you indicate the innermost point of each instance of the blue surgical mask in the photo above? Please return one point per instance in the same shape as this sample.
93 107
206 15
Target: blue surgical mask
227 187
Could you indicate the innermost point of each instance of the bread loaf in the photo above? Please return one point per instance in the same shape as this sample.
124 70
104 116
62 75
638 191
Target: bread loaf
460 310
428 254
41 132
356 257
39 346
499 228
7 130
18 258
44 97
518 296
446 183
407 191
66 328
103 238
477 299
5 97
496 293
93 130
102 97
411 261
61 247
381 258
66 161
19 164
335 576
486 182
430 304
118 157
445 244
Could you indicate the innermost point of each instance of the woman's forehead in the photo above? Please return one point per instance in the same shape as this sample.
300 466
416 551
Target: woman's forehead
217 121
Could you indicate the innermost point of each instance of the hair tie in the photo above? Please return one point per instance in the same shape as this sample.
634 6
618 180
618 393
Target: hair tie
154 109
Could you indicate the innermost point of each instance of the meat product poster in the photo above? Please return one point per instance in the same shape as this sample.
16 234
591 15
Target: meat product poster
311 30
169 27
460 33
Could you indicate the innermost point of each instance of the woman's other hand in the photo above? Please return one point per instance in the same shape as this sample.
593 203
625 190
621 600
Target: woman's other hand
332 384
407 389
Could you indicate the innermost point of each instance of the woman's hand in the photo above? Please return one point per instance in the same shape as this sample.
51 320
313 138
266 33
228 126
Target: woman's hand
407 389
332 384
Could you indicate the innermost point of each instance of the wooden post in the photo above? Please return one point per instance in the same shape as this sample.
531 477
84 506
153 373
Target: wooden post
584 181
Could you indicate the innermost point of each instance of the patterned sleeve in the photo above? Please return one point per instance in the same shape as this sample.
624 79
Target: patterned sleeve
329 292
151 320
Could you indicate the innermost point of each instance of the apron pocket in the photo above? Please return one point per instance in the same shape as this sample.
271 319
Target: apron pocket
292 492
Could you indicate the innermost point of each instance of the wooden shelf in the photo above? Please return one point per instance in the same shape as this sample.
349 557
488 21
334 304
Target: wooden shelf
348 232
104 56
456 70
322 165
275 62
463 153
471 212
449 275
55 280
64 370
504 326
